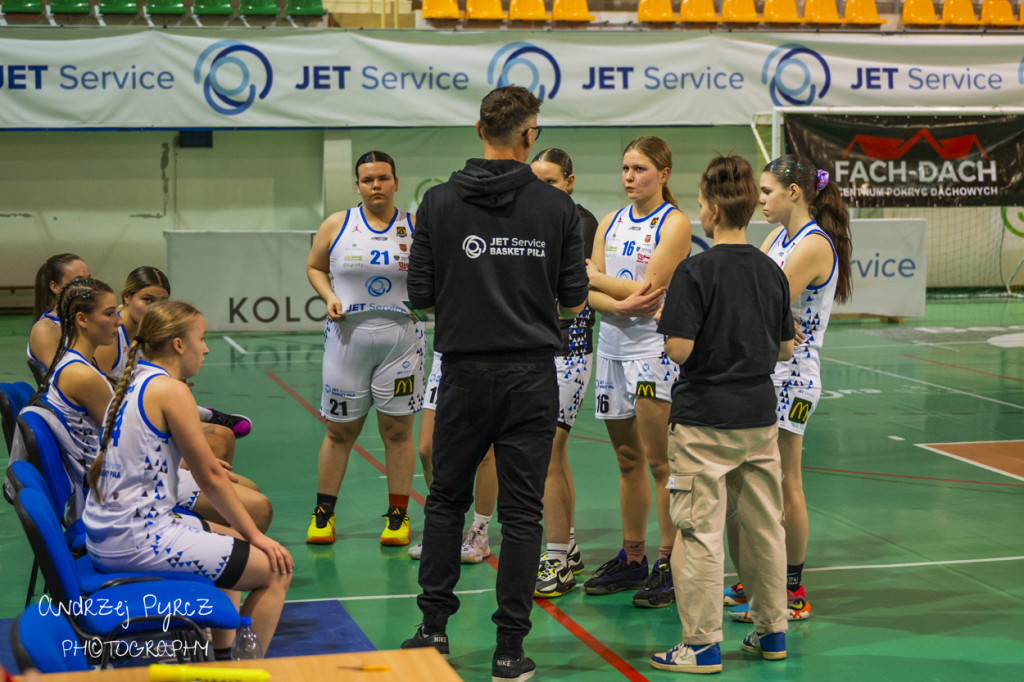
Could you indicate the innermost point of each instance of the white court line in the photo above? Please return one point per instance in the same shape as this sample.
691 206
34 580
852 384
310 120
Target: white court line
381 596
896 438
904 343
935 345
234 345
968 461
926 383
912 564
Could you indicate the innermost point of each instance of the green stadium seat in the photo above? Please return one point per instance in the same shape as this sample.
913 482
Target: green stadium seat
69 7
165 7
258 8
117 7
220 8
304 8
22 7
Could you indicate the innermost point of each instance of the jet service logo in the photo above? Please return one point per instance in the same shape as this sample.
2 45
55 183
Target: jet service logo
233 75
527 65
795 75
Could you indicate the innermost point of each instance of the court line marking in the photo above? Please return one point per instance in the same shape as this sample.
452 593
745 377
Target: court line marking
234 344
966 369
370 597
896 438
930 448
926 383
941 346
560 616
920 478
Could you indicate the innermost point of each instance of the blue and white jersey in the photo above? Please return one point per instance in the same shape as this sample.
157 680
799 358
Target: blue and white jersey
369 267
628 245
138 484
47 315
84 432
813 307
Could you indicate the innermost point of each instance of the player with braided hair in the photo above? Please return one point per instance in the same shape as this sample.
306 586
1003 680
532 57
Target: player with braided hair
152 424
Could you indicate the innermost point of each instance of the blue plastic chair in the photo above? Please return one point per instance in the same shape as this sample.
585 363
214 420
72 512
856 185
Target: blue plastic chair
13 399
59 570
38 642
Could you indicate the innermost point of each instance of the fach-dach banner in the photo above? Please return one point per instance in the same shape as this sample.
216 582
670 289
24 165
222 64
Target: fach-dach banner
881 161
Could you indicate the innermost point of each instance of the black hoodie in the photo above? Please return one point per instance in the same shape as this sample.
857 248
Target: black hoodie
493 250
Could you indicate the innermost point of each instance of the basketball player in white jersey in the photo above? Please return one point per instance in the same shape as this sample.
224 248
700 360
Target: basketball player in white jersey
151 425
373 346
79 392
51 277
636 250
813 249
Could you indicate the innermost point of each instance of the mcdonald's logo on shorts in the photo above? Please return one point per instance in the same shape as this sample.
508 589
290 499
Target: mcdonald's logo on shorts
646 389
403 386
800 411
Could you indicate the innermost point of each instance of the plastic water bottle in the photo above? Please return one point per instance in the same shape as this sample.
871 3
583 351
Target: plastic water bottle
247 644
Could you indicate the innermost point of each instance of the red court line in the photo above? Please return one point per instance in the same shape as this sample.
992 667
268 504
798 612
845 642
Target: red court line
921 478
966 369
316 413
560 616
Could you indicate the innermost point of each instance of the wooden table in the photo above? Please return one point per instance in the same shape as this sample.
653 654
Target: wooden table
403 665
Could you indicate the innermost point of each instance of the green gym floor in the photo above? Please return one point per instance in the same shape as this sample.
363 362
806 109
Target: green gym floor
916 557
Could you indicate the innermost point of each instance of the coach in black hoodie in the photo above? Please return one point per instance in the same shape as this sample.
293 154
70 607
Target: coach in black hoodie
498 255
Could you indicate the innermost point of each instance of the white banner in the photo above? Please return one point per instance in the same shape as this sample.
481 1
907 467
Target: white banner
246 281
208 78
256 281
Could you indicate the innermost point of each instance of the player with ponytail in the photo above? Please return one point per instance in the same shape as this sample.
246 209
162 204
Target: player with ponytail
636 250
51 277
813 249
152 424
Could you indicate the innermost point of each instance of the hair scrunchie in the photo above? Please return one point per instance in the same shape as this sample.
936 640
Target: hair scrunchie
822 179
140 339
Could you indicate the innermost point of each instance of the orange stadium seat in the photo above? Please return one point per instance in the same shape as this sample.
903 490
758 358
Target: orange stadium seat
485 10
571 11
959 13
822 12
739 12
997 13
441 9
527 10
780 12
655 12
919 13
698 12
862 13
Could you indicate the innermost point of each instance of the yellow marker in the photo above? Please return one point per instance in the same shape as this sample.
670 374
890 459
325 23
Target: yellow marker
185 673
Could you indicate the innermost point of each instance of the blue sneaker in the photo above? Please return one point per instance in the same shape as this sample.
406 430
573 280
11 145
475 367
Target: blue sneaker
734 596
616 575
704 659
771 646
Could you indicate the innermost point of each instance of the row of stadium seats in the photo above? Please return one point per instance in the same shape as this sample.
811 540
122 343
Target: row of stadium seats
956 13
295 8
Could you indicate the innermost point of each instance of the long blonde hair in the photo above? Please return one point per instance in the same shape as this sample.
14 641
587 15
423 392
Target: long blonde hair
163 322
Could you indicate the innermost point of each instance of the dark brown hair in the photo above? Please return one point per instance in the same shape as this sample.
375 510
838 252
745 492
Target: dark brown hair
826 207
50 271
728 183
504 111
142 277
374 157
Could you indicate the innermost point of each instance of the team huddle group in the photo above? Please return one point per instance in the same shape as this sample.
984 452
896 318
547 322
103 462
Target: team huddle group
706 371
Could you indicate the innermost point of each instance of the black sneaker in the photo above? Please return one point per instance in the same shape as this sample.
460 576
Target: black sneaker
553 580
422 639
576 560
657 591
505 668
239 424
617 575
